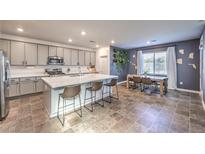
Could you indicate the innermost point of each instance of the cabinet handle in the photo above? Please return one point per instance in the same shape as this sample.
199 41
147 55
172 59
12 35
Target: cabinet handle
23 62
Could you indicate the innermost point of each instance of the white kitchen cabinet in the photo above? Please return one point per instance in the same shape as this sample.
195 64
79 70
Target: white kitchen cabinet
81 58
39 85
27 86
75 57
87 58
60 52
30 54
67 56
92 58
5 46
14 88
42 54
17 53
52 51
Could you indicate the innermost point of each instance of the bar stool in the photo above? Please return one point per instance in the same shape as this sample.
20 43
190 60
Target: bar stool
68 94
112 83
95 86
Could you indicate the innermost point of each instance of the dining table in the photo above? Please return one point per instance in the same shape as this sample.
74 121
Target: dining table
162 80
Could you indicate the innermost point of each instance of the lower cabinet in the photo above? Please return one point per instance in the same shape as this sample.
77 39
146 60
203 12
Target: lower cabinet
27 86
23 86
39 85
14 88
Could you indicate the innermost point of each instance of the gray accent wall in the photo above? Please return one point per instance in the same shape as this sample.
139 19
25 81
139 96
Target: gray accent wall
203 66
123 74
185 72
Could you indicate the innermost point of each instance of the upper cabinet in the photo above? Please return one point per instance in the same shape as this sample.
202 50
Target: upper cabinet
92 58
17 53
75 57
52 51
30 54
87 58
42 54
67 56
81 58
5 46
60 52
33 54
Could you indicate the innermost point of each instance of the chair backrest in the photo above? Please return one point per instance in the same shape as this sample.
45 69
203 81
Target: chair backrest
137 79
70 92
147 81
96 86
113 82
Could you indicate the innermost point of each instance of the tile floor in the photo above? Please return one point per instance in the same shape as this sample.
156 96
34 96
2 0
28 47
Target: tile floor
135 112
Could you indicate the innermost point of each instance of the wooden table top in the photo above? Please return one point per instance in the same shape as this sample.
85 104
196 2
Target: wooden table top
154 78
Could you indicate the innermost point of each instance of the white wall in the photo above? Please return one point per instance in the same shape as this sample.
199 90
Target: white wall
102 60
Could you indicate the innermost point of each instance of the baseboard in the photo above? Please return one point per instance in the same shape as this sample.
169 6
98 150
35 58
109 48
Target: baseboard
122 82
186 90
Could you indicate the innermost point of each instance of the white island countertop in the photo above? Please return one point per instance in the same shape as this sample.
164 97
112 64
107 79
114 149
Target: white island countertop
62 81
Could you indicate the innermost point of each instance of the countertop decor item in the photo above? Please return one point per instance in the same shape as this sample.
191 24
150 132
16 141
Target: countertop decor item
120 58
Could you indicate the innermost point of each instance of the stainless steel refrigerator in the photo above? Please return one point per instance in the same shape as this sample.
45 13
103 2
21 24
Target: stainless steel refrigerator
4 85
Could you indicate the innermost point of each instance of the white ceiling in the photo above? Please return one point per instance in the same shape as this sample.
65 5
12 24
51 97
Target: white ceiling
127 34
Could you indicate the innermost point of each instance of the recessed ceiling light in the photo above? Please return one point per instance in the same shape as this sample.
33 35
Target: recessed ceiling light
20 29
97 46
83 33
112 41
70 40
148 42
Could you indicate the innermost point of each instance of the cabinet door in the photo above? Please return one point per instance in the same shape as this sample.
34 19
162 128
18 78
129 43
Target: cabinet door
67 56
27 87
60 52
74 57
52 51
17 53
42 54
5 46
39 85
93 58
87 58
14 90
81 58
30 54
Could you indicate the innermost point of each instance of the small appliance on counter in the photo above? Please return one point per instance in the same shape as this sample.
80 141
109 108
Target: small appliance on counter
4 85
54 71
55 60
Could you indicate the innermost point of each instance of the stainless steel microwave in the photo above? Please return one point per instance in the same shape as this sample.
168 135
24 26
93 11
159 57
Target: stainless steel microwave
55 60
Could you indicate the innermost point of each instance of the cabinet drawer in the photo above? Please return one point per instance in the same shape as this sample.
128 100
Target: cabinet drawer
27 79
14 81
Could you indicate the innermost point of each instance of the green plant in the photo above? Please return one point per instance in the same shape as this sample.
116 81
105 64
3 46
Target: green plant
120 58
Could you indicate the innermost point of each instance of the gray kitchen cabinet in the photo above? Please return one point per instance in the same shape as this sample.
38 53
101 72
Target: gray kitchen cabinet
52 51
5 46
75 57
30 54
17 53
14 88
27 86
67 56
60 52
39 85
42 54
87 58
81 58
92 58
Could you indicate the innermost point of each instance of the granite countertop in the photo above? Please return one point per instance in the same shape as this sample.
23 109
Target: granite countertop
62 81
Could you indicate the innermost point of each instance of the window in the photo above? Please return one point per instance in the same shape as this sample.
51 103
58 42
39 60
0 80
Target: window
155 63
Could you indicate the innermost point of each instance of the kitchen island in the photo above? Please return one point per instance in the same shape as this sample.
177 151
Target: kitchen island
53 86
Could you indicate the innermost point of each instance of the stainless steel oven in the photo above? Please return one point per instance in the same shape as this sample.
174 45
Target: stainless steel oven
55 60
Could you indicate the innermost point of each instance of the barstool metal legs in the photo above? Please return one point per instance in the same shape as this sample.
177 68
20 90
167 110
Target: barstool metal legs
90 109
